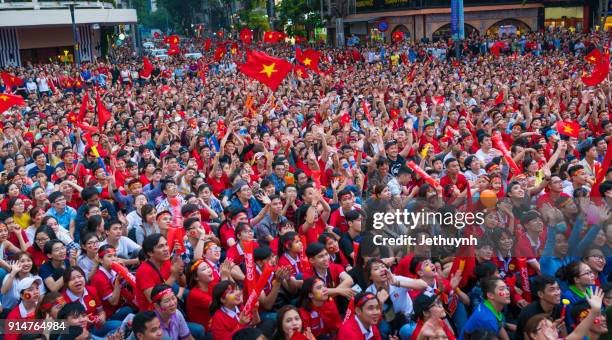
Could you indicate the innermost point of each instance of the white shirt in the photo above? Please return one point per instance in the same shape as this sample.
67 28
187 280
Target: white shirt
43 86
402 303
11 298
486 157
125 248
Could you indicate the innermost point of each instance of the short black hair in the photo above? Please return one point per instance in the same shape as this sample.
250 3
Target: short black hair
314 249
88 193
488 285
541 281
49 246
140 320
247 334
71 309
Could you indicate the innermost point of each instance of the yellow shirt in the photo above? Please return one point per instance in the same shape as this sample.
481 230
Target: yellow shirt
23 221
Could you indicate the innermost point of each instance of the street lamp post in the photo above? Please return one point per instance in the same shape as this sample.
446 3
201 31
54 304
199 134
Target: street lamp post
77 58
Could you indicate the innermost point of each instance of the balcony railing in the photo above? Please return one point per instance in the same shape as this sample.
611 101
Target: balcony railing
53 4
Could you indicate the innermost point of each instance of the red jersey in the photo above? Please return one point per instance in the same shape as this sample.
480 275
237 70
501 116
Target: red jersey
321 320
224 324
351 330
103 282
90 300
332 277
148 276
197 304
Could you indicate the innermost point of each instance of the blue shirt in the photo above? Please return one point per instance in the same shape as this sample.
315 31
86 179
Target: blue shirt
482 318
64 218
253 209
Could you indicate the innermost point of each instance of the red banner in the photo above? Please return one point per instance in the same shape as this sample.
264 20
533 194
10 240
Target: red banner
261 283
499 145
249 261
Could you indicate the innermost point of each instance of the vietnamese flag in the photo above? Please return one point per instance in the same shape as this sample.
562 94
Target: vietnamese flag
300 40
220 53
8 100
570 129
595 57
496 48
246 36
266 69
500 98
309 58
71 117
207 44
398 36
156 35
147 67
438 100
600 71
173 40
83 108
300 71
600 174
11 80
273 36
173 50
103 114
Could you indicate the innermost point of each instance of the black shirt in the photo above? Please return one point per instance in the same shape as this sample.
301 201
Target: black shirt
533 309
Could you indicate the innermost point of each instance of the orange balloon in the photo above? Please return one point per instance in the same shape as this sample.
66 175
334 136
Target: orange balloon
488 198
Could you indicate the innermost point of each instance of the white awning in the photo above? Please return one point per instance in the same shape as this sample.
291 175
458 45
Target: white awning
56 17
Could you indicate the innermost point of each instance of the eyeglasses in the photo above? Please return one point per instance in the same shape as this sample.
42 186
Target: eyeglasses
598 257
589 273
92 243
215 248
42 240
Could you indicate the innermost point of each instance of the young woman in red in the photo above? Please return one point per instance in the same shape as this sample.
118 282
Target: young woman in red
317 310
227 318
290 250
201 282
289 325
244 233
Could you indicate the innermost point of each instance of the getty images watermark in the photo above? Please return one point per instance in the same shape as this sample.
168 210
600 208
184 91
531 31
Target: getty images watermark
412 219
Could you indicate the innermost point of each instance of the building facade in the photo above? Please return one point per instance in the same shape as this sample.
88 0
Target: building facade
40 31
430 19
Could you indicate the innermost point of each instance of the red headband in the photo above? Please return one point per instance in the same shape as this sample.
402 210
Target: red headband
195 266
365 299
161 294
107 251
59 301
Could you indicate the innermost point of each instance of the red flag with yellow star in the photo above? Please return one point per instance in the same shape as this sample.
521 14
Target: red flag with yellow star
300 71
207 44
8 100
595 57
220 53
11 80
273 36
246 36
570 129
309 58
266 69
173 40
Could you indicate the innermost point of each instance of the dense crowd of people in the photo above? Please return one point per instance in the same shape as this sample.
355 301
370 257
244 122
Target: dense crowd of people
202 181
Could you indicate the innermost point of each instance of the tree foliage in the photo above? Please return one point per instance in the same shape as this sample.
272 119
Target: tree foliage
299 16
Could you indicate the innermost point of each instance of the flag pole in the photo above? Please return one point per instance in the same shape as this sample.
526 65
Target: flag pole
265 104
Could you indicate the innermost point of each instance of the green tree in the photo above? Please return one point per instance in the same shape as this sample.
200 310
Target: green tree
299 16
181 12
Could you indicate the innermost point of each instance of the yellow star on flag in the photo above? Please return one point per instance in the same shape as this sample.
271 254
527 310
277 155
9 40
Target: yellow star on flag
299 73
4 97
307 61
568 129
593 59
269 69
233 50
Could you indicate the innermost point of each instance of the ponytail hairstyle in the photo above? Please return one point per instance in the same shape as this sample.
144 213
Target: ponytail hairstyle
569 273
218 293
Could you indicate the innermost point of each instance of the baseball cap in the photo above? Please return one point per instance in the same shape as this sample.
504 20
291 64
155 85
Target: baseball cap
238 186
27 283
422 303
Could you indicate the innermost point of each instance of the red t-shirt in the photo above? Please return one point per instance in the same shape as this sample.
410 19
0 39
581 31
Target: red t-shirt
312 234
223 326
226 232
148 277
234 255
324 319
102 283
91 300
333 274
198 302
38 256
16 314
351 330
218 185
